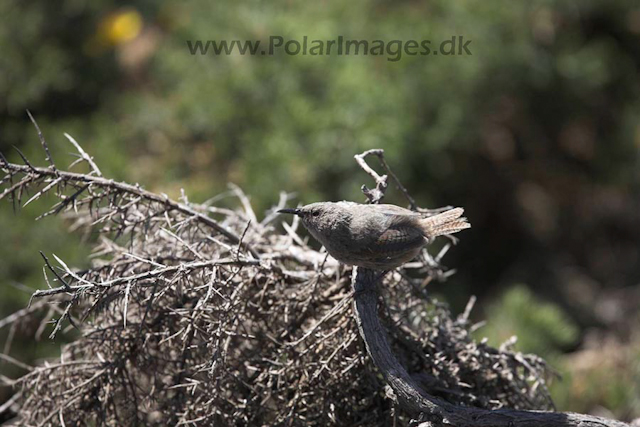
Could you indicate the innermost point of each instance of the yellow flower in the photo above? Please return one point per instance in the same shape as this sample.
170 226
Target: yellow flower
120 27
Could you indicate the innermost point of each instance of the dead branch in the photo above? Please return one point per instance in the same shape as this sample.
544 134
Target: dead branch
36 173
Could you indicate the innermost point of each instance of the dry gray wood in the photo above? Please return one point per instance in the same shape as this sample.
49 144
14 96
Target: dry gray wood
428 408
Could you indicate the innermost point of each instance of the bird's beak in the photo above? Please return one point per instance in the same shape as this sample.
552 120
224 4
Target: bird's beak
291 211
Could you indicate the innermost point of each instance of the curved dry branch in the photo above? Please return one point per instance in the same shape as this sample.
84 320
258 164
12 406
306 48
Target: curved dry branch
427 408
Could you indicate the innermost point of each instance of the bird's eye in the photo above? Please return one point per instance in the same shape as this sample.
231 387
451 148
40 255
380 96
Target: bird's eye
315 213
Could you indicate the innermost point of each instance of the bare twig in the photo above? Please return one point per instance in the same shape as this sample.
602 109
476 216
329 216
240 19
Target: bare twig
24 159
377 194
66 286
84 155
42 141
381 181
3 160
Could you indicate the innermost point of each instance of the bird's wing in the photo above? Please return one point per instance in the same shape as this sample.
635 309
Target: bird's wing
390 244
399 239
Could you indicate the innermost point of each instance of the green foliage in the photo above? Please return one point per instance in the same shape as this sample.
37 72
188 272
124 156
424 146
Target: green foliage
541 327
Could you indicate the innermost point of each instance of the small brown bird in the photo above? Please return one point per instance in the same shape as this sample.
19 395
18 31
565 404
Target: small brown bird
379 237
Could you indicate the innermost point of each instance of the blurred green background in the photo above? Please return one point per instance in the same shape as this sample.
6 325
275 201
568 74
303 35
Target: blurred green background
536 134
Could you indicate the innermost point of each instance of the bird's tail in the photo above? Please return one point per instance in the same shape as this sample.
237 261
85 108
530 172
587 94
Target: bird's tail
447 222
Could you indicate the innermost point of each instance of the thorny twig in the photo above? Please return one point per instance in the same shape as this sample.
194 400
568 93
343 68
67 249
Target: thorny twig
42 141
83 155
114 188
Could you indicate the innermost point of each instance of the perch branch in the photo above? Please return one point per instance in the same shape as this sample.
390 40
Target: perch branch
420 404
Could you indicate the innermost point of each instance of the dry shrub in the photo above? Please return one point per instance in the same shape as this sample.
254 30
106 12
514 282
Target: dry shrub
197 315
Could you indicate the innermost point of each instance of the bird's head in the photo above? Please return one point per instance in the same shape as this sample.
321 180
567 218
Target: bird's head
320 217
